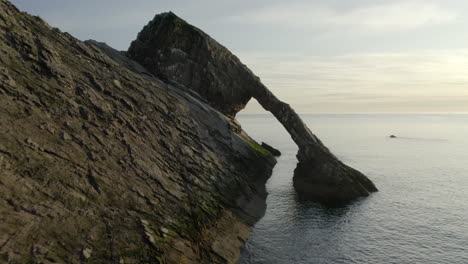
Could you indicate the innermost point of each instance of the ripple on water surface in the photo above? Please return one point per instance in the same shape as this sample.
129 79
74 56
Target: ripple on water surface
420 214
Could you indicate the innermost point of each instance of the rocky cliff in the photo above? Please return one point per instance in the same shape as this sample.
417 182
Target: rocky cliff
102 162
136 157
178 52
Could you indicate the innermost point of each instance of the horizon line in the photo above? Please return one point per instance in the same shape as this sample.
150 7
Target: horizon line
367 113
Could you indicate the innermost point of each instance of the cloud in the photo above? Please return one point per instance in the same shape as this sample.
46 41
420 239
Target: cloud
404 15
424 81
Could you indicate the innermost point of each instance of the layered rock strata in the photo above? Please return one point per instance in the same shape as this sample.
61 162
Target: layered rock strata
102 162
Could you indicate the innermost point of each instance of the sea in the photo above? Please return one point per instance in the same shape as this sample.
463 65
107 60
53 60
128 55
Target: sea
419 215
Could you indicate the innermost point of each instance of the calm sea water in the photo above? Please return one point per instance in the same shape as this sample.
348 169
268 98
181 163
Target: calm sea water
420 214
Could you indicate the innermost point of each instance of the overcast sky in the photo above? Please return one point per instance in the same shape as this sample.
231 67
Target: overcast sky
322 56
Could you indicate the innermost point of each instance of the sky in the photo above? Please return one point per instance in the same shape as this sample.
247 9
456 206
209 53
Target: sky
320 56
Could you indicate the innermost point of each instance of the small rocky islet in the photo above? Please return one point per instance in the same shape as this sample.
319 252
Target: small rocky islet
136 156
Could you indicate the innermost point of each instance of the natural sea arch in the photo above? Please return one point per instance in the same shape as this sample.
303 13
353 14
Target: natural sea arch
179 53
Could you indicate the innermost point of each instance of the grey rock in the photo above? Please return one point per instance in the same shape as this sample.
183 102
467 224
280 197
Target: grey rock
87 253
65 136
5 77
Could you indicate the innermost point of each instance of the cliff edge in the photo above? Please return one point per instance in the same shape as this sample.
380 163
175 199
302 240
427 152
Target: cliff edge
136 157
102 162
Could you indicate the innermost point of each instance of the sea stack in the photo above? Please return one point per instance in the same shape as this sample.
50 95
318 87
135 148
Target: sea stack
176 51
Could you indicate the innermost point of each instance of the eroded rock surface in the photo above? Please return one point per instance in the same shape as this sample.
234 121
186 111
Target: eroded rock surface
101 162
173 50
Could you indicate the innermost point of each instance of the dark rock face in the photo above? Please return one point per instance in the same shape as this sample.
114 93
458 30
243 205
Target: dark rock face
271 149
178 52
101 162
174 50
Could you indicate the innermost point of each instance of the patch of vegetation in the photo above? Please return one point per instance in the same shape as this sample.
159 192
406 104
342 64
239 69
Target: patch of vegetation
258 149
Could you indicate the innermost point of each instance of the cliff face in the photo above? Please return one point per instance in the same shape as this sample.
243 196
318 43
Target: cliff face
101 162
178 52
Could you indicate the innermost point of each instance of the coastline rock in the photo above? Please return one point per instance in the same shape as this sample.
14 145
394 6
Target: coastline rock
136 156
271 149
91 144
178 52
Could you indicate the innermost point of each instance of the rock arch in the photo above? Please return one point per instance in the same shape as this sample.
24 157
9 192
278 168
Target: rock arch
180 53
